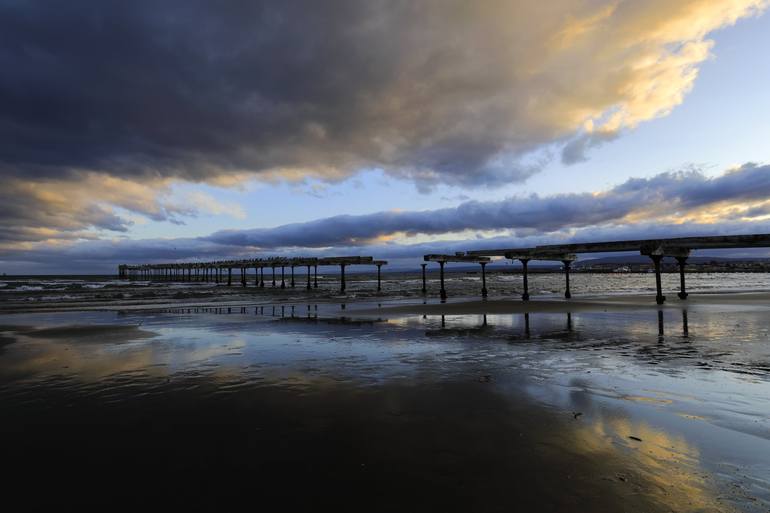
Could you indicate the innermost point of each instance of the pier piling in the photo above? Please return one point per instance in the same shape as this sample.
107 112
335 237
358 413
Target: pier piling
567 265
483 279
525 294
682 292
442 293
659 297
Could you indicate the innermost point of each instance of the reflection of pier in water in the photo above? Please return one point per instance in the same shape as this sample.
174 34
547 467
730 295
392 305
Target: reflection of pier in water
520 326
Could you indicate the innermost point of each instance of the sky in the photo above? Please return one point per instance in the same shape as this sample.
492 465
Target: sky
190 130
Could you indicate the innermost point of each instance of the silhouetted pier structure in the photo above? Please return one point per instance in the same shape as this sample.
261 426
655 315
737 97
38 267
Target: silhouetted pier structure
457 257
678 248
215 271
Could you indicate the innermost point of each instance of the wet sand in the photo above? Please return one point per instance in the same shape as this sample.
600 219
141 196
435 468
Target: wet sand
619 303
464 406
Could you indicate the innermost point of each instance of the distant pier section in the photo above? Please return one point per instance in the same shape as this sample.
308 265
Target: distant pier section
222 271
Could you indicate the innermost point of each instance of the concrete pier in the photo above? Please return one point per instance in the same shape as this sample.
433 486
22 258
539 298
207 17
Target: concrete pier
214 271
443 259
657 249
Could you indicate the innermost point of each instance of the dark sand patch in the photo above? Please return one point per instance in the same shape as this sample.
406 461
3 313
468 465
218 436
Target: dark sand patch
92 332
457 445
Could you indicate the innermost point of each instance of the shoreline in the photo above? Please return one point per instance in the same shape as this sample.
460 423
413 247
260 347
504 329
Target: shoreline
418 305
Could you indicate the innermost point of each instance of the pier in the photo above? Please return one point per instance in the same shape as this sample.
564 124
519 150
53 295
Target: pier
215 271
656 249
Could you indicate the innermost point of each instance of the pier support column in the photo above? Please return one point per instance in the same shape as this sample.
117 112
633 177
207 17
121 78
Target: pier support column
424 288
379 277
283 278
229 276
682 292
442 293
315 277
659 298
216 276
262 277
243 276
273 267
567 265
525 294
342 278
308 280
483 279
256 276
292 276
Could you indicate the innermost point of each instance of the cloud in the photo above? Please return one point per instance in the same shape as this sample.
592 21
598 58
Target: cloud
442 91
676 197
684 203
202 202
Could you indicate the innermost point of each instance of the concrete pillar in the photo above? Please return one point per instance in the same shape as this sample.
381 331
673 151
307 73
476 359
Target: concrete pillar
379 277
483 279
308 280
424 288
283 280
659 297
567 265
229 276
292 276
682 292
315 278
216 275
342 278
273 267
442 292
262 277
525 295
243 276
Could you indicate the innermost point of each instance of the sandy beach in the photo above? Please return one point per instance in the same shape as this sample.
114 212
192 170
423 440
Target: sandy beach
593 404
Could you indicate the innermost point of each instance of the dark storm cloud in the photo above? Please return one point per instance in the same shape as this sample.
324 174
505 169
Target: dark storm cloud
437 90
193 88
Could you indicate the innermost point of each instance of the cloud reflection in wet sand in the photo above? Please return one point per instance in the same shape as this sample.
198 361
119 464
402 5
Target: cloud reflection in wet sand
406 403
